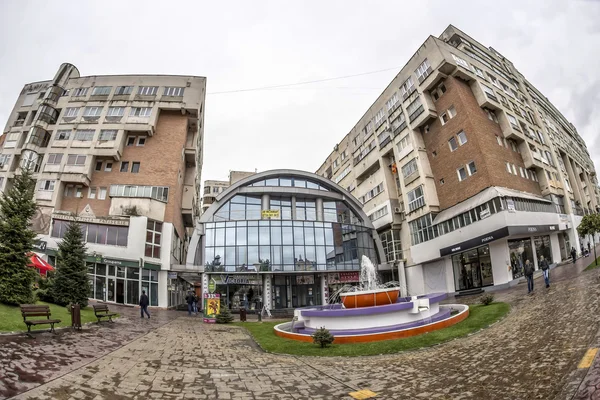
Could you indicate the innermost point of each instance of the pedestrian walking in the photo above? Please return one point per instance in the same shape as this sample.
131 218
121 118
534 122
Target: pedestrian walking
529 276
546 270
144 304
573 254
195 304
190 302
589 248
582 250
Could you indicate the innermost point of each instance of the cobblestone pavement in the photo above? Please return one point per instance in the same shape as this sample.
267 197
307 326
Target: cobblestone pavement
531 354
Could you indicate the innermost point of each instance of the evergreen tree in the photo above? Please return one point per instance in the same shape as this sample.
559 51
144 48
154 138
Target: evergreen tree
224 316
17 207
71 285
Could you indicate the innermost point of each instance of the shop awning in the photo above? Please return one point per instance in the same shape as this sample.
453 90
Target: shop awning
37 262
481 198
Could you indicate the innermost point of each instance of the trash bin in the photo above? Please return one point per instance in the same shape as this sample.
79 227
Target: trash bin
75 316
242 314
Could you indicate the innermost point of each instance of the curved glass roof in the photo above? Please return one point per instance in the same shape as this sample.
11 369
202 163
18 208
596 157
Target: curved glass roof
290 182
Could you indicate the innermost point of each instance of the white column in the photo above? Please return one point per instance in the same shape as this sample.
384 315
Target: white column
324 290
163 292
267 291
402 279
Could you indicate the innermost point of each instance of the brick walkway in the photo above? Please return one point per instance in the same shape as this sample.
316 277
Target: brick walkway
531 354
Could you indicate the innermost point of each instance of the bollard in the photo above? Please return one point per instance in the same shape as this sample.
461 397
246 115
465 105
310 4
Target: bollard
75 316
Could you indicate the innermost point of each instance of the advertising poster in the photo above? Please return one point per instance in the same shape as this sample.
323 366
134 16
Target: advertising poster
212 307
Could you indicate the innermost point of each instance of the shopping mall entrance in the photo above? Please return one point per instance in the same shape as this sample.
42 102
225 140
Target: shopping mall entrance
473 269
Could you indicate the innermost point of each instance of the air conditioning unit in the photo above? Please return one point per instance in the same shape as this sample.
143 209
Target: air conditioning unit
336 147
397 210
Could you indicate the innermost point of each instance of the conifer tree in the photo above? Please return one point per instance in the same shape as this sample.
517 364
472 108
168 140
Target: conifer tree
17 207
71 285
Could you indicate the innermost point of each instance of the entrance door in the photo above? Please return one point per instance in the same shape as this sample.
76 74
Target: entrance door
120 291
473 269
110 293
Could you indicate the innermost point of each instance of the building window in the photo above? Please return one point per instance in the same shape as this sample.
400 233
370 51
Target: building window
135 167
478 72
522 172
379 213
442 181
98 166
124 166
499 140
47 186
123 90
392 101
141 141
147 90
79 92
63 134
508 167
141 111
153 237
342 174
453 144
92 193
108 167
513 121
85 135
78 192
92 111
472 168
76 159
71 112
409 168
491 115
160 193
462 173
94 233
404 141
130 140
460 61
102 194
54 159
372 193
414 109
115 111
448 115
101 91
173 91
514 169
462 137
379 116
416 199
107 135
407 88
489 92
423 71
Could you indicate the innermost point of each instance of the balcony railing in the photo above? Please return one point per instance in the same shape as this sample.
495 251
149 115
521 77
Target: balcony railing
416 113
425 74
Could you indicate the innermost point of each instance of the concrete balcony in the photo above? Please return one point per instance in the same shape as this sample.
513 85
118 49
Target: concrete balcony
44 195
137 206
110 148
531 159
78 173
421 116
187 206
437 74
362 165
485 99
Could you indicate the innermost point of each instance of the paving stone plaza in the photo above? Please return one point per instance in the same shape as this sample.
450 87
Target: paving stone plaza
533 353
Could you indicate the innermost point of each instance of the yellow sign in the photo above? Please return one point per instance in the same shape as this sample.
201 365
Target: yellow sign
363 394
270 213
588 358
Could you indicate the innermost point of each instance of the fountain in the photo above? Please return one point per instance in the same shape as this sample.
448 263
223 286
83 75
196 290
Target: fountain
372 311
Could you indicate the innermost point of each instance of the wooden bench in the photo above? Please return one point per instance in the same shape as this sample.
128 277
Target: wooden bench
102 311
33 310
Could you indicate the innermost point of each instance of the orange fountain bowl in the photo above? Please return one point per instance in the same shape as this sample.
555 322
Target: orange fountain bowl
370 298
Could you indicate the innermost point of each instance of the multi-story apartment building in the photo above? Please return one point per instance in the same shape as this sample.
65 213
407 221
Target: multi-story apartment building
213 188
122 155
466 170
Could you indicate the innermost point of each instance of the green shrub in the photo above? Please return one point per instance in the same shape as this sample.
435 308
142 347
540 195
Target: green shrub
224 316
486 299
322 337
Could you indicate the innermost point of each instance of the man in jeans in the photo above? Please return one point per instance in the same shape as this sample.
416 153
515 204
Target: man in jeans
529 276
144 304
546 270
190 298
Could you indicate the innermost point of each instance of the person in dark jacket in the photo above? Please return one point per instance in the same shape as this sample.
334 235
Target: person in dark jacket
529 276
589 248
190 298
144 304
574 254
546 270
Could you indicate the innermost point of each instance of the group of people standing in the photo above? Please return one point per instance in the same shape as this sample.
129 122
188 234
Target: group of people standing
192 302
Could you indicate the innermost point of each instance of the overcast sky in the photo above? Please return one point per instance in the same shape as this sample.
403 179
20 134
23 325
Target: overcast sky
249 44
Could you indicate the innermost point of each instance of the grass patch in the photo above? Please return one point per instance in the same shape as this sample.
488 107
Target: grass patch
480 316
593 265
11 319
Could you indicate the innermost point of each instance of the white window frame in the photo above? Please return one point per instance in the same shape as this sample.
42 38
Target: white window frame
379 116
471 173
141 111
514 169
92 111
71 112
101 90
423 70
78 158
410 168
92 193
508 167
139 140
123 90
458 173
108 167
47 185
461 139
147 90
102 193
115 111
79 92
453 139
54 159
107 135
407 87
416 202
173 91
460 61
65 133
392 101
84 135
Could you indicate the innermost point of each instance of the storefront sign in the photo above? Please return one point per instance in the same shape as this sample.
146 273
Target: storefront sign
484 213
212 307
39 245
497 234
270 213
478 241
510 205
343 277
305 279
212 286
564 218
119 263
523 230
238 280
172 275
104 221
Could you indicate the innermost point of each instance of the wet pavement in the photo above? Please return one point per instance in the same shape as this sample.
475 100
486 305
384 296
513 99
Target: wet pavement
533 353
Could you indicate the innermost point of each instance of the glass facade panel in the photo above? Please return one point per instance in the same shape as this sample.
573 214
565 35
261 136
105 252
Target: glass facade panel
520 252
543 248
